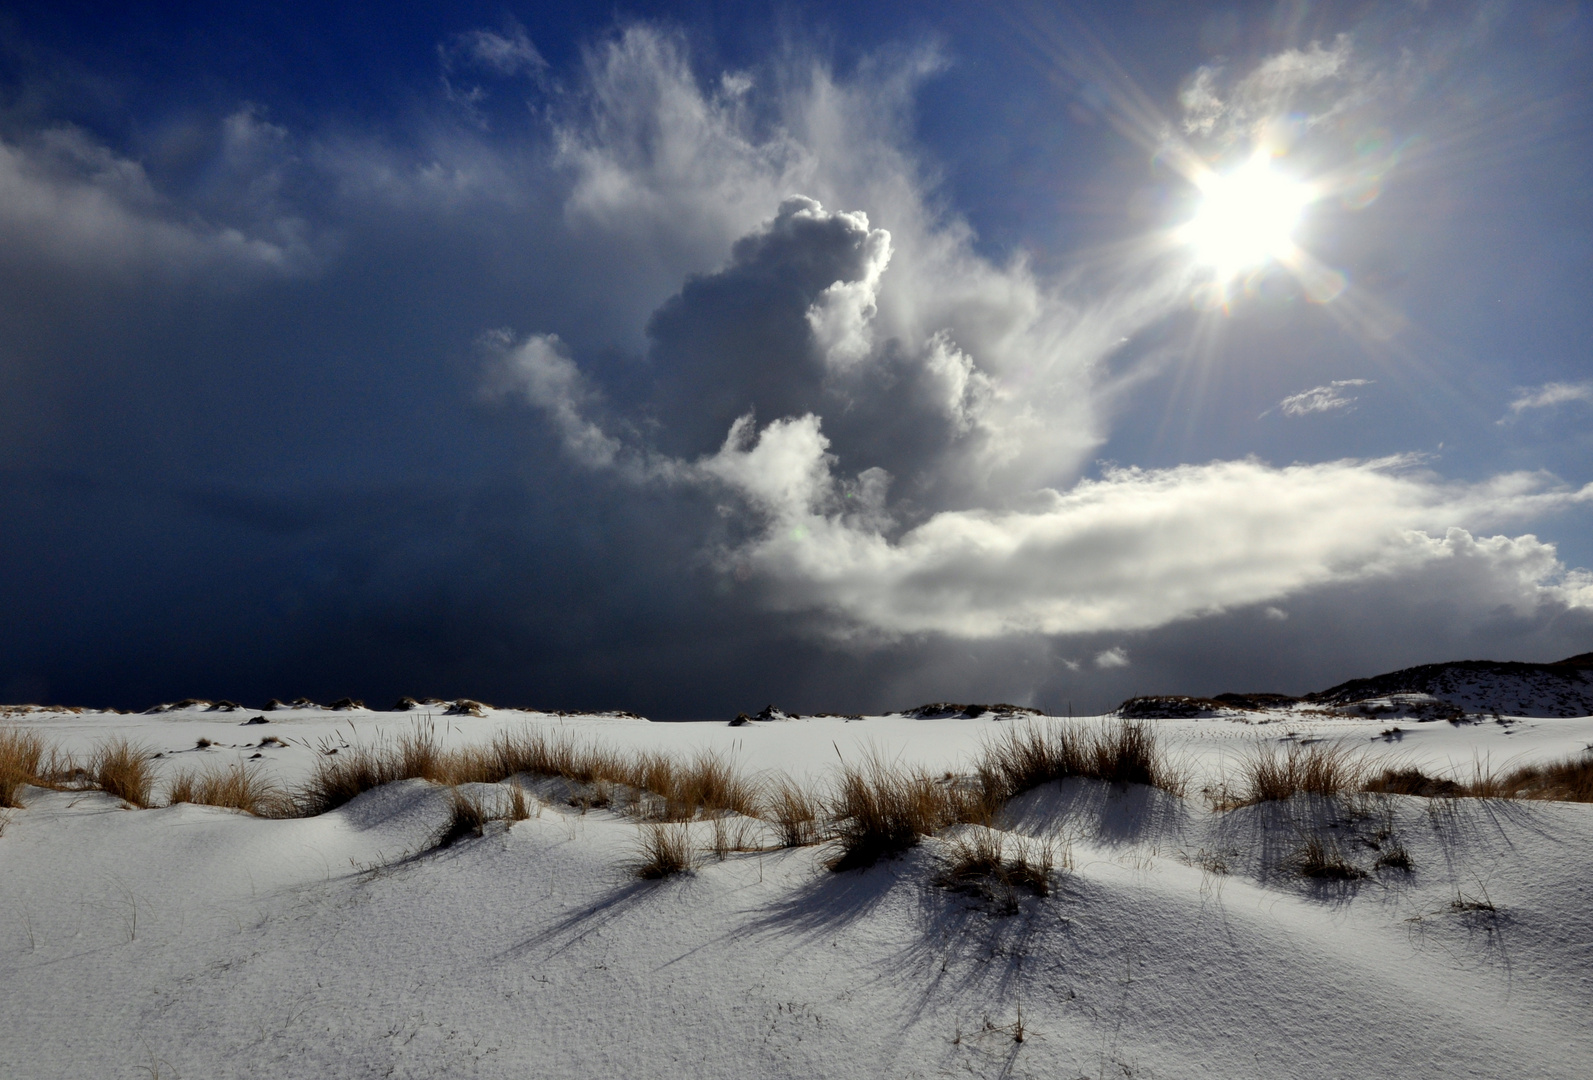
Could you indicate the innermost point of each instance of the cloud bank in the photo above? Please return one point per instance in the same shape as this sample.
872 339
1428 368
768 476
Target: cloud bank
917 468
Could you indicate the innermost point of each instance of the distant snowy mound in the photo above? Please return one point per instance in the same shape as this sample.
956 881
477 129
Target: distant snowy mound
194 704
32 710
1418 707
1172 707
1564 688
946 710
768 712
1184 707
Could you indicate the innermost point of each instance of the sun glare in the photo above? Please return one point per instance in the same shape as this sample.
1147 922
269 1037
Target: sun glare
1246 217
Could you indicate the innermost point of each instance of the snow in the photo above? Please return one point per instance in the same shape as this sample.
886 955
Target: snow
191 941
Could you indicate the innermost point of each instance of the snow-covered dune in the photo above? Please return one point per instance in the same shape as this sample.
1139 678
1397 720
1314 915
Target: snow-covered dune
190 941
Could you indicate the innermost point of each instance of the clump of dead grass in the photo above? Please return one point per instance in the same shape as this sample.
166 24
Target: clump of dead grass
468 816
1026 757
795 813
1410 780
519 805
1568 780
1270 774
710 784
21 753
1464 903
993 866
707 785
339 777
119 768
666 850
350 771
1394 857
236 787
1321 859
880 810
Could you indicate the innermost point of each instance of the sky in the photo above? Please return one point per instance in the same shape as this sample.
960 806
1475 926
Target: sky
686 358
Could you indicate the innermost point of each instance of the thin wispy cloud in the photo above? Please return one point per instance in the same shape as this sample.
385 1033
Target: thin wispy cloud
73 202
1313 84
1326 398
1548 396
503 54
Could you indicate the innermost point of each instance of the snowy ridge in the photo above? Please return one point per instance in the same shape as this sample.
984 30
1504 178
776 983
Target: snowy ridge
1429 692
1564 688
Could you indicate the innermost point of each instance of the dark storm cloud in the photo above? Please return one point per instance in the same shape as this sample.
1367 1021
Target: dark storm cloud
740 339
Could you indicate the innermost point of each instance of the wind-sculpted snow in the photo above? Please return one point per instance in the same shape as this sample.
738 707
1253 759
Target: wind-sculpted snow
1173 940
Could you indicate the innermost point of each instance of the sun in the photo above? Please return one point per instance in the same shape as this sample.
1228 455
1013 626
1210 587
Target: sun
1247 217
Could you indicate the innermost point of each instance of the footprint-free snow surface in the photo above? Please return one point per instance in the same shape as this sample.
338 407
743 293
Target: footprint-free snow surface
195 942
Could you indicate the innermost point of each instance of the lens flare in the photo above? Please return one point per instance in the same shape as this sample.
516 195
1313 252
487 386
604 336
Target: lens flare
1246 217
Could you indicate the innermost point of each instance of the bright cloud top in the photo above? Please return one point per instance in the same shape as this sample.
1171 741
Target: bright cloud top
1134 550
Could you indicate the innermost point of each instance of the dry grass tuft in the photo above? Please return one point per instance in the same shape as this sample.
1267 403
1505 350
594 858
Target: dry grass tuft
21 753
237 787
1269 775
519 806
121 769
1026 757
1570 780
1320 858
981 862
880 811
708 784
795 813
1412 781
1466 902
338 778
468 816
666 850
1395 857
1567 780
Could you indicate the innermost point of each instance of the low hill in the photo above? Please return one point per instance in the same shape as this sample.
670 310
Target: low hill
1563 688
1426 692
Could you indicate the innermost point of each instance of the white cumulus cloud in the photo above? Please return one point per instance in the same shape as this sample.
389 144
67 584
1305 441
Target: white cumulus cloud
1139 549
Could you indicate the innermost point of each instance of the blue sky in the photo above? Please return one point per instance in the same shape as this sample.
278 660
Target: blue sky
687 357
